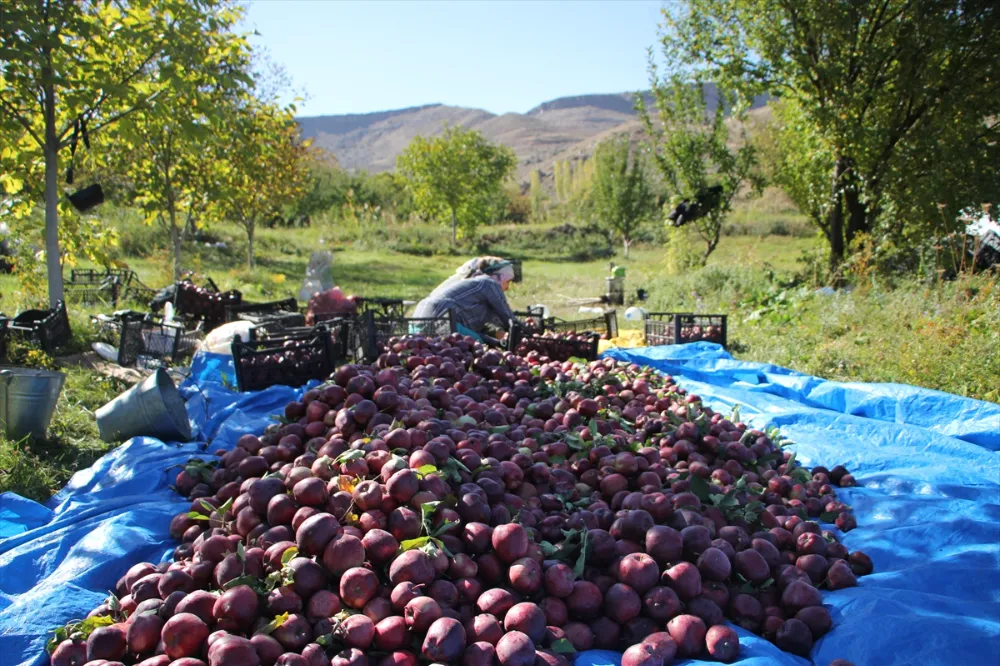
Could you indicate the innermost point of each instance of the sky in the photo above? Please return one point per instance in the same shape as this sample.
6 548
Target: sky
501 56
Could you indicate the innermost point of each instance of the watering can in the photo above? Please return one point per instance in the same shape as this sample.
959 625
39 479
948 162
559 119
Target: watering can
27 400
152 408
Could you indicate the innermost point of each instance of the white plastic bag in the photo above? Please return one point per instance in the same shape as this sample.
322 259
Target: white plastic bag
220 340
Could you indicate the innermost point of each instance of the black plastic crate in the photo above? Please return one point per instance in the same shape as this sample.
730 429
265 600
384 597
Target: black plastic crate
289 360
285 312
606 324
48 329
382 307
338 330
522 342
208 307
532 318
106 291
96 276
672 328
150 339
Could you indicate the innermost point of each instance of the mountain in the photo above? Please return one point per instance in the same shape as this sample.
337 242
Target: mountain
563 128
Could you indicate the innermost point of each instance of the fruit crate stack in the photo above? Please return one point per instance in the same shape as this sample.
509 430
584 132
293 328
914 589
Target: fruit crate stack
606 325
274 315
289 360
677 328
147 340
206 303
48 329
555 346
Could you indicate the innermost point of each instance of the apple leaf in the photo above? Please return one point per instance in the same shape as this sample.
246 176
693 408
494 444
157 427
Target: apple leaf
562 646
272 625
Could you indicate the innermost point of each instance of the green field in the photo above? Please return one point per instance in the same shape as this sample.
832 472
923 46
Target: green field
942 335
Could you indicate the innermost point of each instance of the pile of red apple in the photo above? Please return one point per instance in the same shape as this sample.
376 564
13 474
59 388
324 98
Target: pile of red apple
458 505
697 333
206 304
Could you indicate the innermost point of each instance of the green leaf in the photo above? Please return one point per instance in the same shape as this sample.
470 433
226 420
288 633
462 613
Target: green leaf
828 516
241 552
424 470
194 515
325 640
548 548
562 646
272 625
700 487
348 456
592 426
250 581
498 430
577 359
410 544
581 561
288 555
443 527
208 507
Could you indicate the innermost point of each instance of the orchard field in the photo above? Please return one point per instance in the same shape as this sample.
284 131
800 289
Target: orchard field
941 334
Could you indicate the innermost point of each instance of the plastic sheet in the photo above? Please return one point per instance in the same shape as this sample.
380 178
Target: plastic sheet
927 506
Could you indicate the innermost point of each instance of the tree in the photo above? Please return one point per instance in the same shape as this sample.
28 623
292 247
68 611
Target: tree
622 197
902 95
169 152
690 148
457 176
536 193
262 164
70 68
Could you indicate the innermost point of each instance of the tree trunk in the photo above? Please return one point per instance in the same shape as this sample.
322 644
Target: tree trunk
627 243
250 232
857 215
53 258
175 236
836 215
454 227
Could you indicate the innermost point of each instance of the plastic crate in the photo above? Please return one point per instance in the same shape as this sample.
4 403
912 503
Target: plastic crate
48 329
522 342
382 307
371 335
150 339
532 318
95 276
199 306
289 360
672 328
338 330
106 291
286 312
606 324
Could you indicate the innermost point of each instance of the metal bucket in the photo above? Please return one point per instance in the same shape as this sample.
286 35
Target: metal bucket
27 399
153 408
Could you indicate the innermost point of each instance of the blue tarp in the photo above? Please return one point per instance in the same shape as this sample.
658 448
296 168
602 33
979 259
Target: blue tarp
927 506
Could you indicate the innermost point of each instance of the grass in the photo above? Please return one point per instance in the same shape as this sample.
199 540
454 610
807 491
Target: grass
940 335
